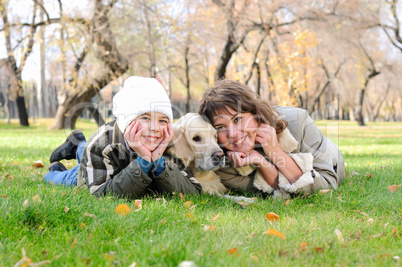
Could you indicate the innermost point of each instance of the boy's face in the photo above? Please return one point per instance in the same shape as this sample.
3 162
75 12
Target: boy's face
153 124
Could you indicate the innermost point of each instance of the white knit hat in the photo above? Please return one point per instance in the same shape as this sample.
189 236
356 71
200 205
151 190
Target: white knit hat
138 96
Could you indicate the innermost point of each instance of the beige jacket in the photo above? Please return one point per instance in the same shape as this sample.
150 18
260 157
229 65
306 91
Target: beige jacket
318 157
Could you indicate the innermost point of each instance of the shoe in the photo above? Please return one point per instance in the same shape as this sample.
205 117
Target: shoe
68 148
57 166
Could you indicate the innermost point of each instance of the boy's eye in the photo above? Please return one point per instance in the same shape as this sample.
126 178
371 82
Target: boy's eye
163 121
145 118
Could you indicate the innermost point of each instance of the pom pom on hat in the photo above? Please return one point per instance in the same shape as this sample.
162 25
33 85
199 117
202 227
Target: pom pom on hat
138 96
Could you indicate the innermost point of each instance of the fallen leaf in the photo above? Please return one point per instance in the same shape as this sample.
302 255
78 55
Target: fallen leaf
253 257
83 225
303 246
378 235
384 167
272 216
51 183
274 232
319 250
4 196
287 202
66 209
370 163
138 204
122 209
74 242
324 191
355 173
38 164
109 257
89 215
383 255
25 203
36 198
232 251
208 227
188 204
163 221
395 231
393 188
216 217
187 264
368 175
181 197
340 236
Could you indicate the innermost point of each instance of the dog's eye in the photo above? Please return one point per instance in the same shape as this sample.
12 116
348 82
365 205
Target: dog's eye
196 138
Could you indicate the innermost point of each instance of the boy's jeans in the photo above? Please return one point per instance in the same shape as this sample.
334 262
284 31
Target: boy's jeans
68 177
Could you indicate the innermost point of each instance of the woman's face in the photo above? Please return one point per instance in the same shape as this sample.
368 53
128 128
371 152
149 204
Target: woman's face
152 124
236 131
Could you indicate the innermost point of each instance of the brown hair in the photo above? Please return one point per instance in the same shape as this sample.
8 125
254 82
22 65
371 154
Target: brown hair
236 96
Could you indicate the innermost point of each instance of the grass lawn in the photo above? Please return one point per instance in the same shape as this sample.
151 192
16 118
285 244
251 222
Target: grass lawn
358 225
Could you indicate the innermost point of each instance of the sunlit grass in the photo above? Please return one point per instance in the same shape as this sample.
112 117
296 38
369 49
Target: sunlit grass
165 232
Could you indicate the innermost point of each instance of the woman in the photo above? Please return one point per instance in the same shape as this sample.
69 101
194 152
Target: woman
276 151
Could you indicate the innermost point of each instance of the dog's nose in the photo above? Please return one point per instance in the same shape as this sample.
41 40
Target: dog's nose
217 154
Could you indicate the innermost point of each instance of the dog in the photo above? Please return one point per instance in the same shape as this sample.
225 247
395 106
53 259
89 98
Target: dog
195 144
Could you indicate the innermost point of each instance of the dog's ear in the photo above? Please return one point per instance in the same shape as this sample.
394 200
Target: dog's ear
181 146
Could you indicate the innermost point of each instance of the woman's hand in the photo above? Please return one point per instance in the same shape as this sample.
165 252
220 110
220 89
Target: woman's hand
266 136
133 134
167 136
240 159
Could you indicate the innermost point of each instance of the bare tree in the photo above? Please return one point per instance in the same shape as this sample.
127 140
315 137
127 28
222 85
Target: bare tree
81 90
393 31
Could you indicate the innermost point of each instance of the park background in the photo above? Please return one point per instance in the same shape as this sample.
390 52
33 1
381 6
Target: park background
62 61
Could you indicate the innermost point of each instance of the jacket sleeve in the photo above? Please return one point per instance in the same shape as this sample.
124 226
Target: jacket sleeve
103 176
174 180
325 155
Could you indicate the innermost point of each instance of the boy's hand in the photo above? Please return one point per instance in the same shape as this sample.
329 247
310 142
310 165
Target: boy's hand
133 136
167 136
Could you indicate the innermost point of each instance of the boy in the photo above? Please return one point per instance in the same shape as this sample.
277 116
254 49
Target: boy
125 156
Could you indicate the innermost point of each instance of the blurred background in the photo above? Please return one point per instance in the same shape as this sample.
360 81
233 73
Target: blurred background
65 59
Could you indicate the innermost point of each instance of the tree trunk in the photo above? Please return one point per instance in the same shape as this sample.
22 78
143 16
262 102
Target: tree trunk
68 112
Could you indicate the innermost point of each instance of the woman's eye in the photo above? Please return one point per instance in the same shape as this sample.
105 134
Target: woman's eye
196 138
237 119
220 129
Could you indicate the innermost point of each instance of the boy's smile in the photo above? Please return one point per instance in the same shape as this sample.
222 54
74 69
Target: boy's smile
153 125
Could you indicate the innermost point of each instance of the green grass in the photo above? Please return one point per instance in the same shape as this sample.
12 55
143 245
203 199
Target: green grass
167 233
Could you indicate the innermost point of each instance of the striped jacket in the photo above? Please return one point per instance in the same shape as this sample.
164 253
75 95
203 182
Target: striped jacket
107 166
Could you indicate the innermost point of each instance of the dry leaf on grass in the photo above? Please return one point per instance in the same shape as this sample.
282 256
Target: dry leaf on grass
274 232
138 204
38 164
303 246
319 250
74 242
188 204
339 236
181 197
51 183
368 175
122 209
89 215
216 217
251 235
36 198
272 216
25 203
395 231
232 251
208 227
66 209
393 188
287 202
4 196
324 191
